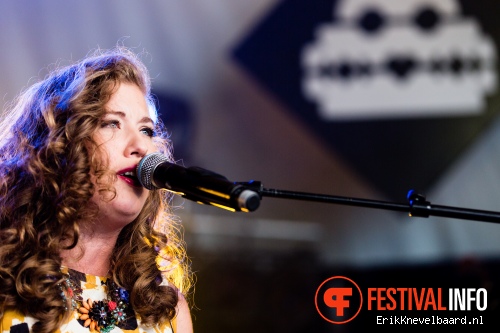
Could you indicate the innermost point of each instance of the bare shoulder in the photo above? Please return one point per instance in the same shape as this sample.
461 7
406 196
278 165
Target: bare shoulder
184 321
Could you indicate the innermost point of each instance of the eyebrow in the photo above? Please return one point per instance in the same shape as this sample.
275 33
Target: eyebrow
123 115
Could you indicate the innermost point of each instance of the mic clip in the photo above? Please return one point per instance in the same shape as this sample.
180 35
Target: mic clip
419 206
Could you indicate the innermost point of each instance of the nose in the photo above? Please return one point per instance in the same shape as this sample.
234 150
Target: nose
137 145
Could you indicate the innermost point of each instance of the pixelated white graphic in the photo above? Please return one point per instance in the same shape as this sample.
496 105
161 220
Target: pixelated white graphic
399 58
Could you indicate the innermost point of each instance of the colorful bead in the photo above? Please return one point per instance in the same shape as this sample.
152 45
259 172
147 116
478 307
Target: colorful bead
102 315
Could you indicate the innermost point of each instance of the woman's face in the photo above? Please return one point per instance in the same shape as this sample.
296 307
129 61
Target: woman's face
126 135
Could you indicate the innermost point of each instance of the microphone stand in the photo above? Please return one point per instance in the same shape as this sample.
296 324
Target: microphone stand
417 205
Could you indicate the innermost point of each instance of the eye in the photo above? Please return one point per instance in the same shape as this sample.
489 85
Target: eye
148 131
371 21
427 19
110 124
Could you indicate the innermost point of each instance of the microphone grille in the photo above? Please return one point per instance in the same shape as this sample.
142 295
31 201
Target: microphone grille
146 168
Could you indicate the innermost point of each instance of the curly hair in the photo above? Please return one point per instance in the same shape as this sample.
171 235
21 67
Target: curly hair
47 157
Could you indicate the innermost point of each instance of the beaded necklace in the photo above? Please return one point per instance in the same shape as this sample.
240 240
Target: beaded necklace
99 315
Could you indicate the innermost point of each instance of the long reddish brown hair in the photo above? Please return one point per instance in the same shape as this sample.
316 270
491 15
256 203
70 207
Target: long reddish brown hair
47 155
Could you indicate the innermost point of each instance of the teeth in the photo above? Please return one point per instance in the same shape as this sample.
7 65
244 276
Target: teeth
129 173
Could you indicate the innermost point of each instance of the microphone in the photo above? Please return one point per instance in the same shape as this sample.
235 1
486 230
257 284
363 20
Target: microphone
154 171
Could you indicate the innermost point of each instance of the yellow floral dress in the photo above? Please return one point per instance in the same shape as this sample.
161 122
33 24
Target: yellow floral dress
104 313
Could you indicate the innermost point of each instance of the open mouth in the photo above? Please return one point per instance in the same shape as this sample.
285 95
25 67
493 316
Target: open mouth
130 178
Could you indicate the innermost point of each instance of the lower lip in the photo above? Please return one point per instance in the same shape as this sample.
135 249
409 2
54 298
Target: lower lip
130 181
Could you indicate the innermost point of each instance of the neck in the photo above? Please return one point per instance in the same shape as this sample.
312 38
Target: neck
92 253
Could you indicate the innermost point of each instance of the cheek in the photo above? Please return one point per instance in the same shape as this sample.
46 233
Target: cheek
110 149
99 148
107 150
